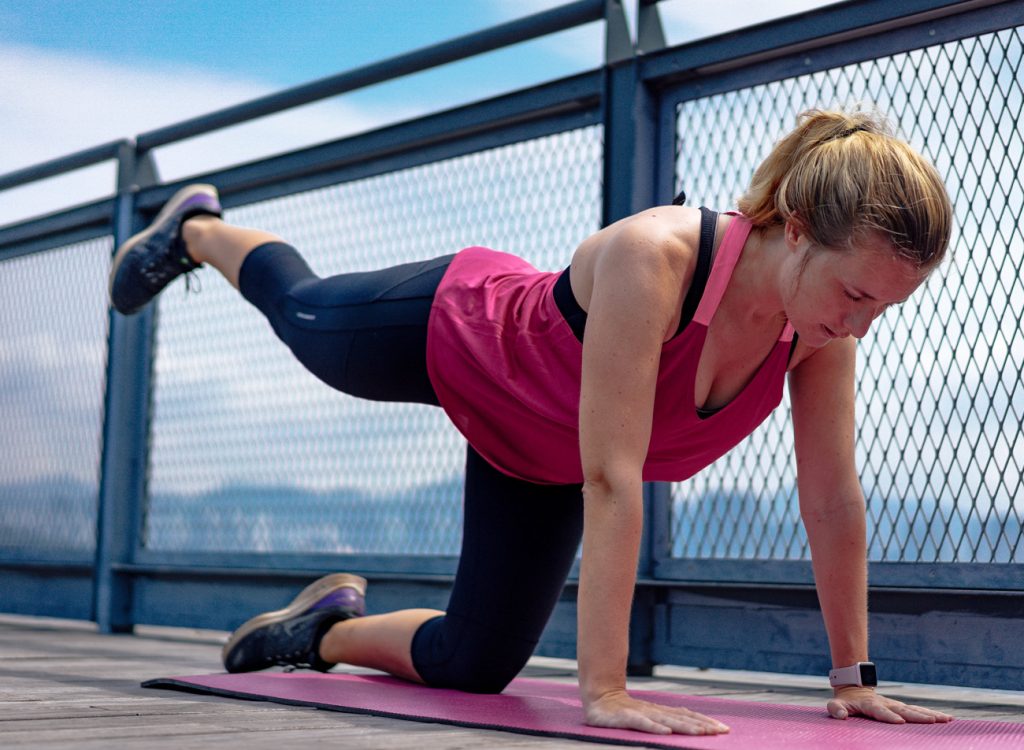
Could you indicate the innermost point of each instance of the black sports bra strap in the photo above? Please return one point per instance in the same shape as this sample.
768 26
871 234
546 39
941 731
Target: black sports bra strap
708 224
577 319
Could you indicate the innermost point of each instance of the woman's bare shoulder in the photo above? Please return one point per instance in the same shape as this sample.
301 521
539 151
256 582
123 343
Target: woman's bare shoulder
665 238
667 228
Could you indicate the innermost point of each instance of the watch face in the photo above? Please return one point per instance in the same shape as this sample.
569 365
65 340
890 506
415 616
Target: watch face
868 675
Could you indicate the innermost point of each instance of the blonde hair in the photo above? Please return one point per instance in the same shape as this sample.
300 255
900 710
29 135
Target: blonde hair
842 177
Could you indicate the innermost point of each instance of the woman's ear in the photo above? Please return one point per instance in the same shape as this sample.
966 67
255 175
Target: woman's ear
794 233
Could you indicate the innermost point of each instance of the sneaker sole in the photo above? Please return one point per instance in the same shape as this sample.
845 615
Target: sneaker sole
165 213
306 598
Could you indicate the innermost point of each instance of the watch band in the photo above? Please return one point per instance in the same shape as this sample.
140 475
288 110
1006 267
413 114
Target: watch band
862 674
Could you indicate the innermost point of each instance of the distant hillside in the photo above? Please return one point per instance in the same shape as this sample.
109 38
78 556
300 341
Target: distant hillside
56 513
420 520
59 514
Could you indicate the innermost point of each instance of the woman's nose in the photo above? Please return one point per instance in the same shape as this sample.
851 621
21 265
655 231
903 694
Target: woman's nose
859 321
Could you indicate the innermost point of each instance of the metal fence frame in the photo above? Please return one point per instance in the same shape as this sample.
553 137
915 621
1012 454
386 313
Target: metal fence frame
742 614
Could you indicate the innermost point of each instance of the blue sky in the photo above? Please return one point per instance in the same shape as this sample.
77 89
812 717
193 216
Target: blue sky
283 43
279 43
75 73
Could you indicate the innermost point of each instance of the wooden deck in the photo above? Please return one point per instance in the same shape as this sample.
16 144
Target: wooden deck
63 685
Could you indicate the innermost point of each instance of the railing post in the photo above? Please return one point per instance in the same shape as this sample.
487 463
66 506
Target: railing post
654 547
630 119
650 35
630 185
125 453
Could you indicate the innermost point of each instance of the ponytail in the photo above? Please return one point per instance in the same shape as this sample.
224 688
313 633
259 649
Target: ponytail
843 177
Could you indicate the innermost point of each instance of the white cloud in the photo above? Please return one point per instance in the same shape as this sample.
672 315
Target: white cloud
54 103
683 21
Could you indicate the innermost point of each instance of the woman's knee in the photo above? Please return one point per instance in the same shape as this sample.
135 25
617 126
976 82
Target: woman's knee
460 656
481 673
486 684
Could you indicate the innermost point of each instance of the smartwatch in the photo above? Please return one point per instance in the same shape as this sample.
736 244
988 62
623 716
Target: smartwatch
862 674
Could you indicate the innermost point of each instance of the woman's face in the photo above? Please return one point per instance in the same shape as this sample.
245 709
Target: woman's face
831 294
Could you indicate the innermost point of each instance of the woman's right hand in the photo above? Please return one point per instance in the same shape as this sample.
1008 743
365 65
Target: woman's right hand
618 710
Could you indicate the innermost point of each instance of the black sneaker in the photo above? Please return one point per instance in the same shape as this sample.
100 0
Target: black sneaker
291 636
151 259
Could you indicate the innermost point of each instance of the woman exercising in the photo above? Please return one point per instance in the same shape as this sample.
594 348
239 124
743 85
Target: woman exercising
665 343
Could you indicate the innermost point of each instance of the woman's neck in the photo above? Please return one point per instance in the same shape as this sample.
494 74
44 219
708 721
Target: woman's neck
756 280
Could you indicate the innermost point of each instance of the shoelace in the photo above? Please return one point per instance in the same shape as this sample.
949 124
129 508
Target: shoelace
157 275
294 660
193 285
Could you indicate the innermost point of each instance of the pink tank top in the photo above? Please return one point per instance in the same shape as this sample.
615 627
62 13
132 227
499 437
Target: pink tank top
506 368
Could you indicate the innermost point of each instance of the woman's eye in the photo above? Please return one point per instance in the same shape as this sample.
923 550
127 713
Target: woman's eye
852 296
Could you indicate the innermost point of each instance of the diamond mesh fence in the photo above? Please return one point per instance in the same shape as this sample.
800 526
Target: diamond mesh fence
52 372
252 453
940 390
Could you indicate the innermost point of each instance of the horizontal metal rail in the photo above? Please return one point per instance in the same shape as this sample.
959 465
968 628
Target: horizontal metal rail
832 53
940 575
513 32
76 224
264 573
440 573
48 566
63 164
532 113
273 562
844 22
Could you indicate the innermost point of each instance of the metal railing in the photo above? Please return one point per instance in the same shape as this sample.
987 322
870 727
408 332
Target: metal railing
186 471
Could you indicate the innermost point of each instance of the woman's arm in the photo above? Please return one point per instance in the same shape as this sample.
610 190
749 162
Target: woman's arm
635 298
833 511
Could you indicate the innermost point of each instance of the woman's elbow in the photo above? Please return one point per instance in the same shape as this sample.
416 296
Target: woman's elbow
606 483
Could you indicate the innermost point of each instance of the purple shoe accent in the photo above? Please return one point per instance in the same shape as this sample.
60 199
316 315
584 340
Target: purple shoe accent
345 597
203 201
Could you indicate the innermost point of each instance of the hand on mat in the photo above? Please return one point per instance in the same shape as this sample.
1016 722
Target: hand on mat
863 701
618 710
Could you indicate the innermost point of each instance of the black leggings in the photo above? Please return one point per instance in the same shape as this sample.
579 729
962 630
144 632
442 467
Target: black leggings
366 334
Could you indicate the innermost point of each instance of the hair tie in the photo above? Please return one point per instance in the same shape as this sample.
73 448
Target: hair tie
846 133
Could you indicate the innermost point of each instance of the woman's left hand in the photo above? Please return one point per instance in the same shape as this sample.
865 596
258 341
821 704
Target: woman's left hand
864 701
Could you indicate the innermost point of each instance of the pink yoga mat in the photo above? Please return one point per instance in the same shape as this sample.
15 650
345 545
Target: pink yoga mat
552 709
